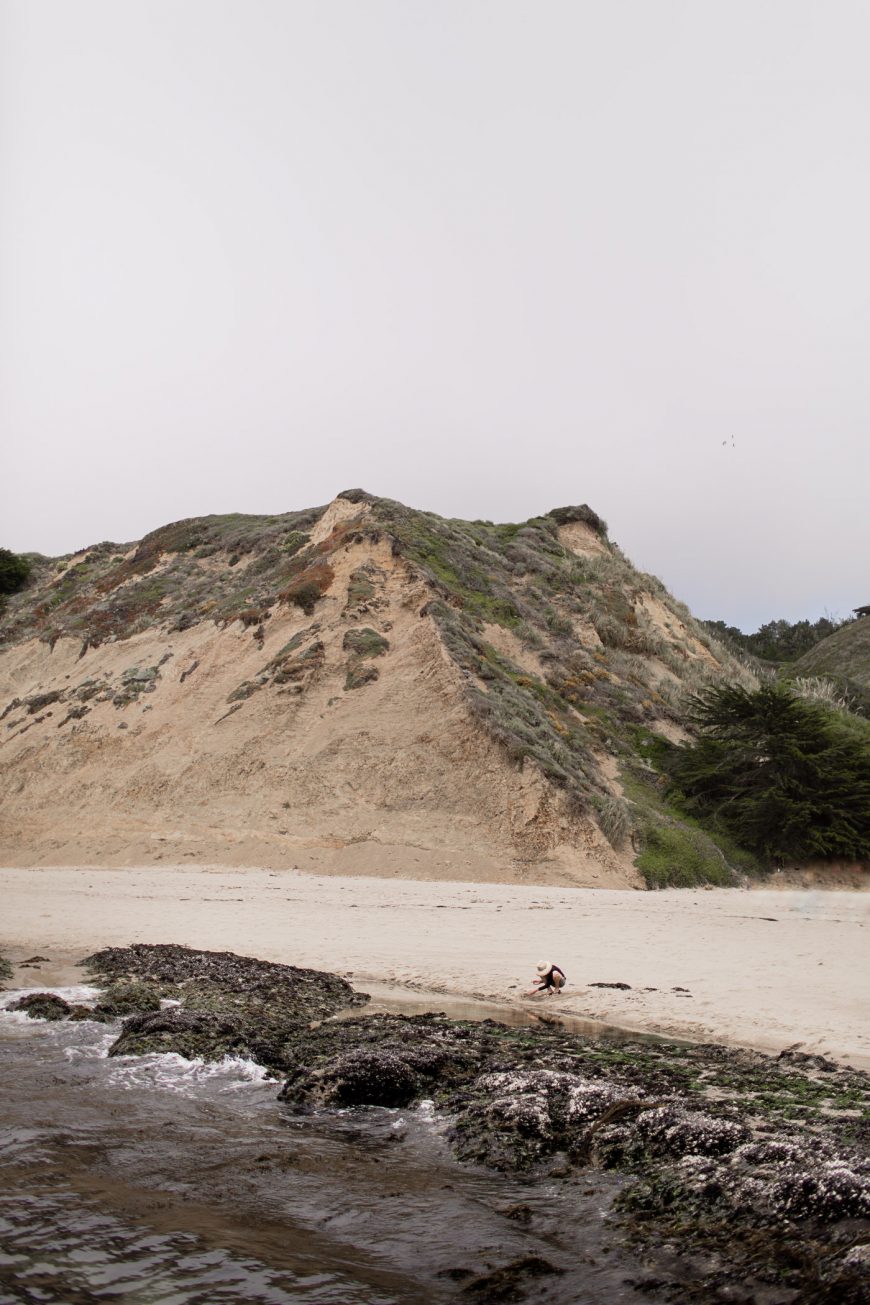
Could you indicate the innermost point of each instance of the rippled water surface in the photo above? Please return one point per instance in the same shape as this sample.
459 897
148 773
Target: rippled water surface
157 1179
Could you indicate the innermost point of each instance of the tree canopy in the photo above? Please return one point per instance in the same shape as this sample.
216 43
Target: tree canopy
786 778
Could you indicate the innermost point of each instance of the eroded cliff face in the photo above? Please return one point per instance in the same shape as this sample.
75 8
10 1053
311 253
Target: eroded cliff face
359 689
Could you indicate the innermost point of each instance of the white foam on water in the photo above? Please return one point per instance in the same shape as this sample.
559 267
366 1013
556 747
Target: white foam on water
97 1050
79 993
169 1071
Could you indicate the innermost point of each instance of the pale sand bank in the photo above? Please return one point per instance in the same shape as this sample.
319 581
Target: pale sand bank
765 969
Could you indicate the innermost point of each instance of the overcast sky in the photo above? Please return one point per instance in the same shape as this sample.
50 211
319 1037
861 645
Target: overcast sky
484 257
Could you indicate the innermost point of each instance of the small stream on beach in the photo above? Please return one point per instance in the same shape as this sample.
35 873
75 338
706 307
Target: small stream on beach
159 1181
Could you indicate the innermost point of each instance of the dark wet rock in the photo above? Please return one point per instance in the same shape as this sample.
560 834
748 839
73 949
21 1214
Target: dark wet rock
43 1006
714 1142
746 1177
173 969
519 1211
364 1077
857 1257
623 987
509 1282
792 1222
827 1191
379 1060
5 968
34 960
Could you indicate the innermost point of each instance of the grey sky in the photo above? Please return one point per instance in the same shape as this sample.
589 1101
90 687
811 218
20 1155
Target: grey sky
486 258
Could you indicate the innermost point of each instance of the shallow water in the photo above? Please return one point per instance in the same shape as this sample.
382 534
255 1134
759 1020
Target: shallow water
521 1014
156 1179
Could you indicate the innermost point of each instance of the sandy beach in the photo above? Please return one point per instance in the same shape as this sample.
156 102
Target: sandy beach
764 968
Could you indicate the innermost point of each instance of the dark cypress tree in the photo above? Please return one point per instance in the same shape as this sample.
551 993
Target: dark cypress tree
787 778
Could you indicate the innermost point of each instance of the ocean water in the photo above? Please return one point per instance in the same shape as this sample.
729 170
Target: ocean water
161 1180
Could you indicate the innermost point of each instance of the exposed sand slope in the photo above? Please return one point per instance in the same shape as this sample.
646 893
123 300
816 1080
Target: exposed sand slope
765 968
392 777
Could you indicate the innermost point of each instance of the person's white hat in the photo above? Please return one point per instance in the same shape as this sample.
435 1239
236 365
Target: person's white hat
542 967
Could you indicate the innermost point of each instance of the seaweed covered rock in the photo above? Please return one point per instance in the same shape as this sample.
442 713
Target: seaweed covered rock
229 1005
49 1006
43 1006
122 999
509 1281
222 980
193 1034
513 1119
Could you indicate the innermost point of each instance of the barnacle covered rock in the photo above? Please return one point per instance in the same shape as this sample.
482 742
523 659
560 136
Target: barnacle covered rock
513 1119
828 1191
668 1131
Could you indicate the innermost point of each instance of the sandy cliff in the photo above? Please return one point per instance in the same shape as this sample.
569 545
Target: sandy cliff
336 704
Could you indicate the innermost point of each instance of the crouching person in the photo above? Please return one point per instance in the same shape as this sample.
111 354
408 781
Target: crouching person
550 979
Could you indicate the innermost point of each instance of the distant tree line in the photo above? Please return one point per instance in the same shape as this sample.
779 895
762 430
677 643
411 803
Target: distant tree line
778 641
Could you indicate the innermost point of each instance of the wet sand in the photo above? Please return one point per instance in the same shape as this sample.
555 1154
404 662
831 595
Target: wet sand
762 968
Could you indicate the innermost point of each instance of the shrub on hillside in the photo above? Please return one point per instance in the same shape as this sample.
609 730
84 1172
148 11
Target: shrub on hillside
14 571
309 586
786 778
